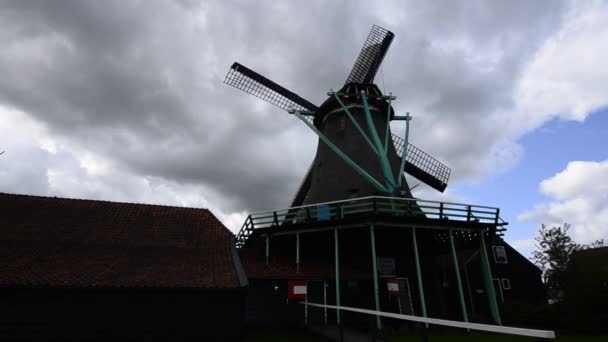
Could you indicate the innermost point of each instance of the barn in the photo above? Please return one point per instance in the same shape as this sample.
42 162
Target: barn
94 270
85 269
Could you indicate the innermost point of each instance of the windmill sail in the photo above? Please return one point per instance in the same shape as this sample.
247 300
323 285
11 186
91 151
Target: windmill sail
371 56
423 166
249 81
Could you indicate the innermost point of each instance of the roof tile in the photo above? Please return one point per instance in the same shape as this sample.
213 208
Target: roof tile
49 241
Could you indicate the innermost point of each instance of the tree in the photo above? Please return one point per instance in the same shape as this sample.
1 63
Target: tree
554 252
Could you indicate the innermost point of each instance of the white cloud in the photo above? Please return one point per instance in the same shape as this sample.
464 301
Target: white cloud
525 247
139 113
36 163
578 175
567 78
579 196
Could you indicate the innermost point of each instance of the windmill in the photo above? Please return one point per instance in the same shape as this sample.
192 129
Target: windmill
357 155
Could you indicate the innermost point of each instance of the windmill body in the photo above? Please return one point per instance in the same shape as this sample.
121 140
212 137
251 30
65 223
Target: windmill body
357 155
332 178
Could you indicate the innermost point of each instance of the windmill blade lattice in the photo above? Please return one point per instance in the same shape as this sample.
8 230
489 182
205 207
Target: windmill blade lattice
423 166
251 82
371 56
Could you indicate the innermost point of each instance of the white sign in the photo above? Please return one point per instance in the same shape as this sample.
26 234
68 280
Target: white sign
393 287
299 289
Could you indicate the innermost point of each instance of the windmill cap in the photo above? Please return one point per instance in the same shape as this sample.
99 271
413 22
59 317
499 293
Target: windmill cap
350 94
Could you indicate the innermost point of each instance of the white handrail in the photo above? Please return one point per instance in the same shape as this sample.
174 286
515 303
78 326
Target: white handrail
549 334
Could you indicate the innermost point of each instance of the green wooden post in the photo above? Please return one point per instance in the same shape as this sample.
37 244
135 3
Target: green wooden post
267 248
297 252
375 271
487 276
458 280
418 273
337 261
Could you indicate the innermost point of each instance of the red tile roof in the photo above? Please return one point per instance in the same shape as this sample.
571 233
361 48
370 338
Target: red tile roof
49 241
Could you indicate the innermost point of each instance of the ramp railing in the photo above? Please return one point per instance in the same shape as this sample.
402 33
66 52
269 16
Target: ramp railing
539 334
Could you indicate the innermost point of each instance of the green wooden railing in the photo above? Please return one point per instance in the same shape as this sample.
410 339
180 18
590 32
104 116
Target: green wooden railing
364 206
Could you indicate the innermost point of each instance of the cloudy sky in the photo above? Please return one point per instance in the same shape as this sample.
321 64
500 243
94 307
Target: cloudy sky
124 100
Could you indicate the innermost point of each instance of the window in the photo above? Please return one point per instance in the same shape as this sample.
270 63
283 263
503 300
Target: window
500 256
353 193
341 124
506 284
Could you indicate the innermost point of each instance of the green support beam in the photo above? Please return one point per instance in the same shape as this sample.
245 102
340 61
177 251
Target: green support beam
355 123
337 261
487 277
418 273
384 163
388 124
465 317
342 155
404 154
375 271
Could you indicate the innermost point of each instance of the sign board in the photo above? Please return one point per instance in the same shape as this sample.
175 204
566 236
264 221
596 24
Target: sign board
323 212
296 289
393 286
386 266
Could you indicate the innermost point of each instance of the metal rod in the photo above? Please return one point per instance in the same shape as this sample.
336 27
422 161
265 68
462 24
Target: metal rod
325 299
297 252
337 261
418 273
267 248
375 271
458 280
352 119
404 154
342 155
487 275
388 123
306 305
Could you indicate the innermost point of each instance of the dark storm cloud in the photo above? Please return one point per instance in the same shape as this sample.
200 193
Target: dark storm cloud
140 82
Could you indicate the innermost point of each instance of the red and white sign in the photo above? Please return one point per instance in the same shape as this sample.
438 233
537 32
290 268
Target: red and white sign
297 289
393 286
